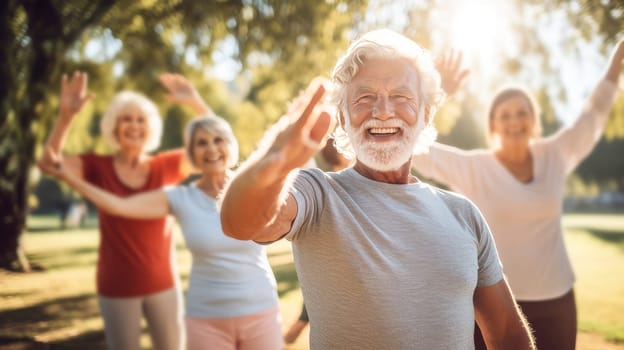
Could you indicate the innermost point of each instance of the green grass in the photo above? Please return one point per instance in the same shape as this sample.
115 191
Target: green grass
596 246
57 309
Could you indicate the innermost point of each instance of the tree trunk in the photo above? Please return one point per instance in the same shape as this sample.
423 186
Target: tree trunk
18 111
11 188
13 211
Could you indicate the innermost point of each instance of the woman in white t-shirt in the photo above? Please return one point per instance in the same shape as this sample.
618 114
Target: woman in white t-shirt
232 300
518 185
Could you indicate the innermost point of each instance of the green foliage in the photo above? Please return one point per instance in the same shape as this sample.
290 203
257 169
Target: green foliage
615 124
126 45
605 165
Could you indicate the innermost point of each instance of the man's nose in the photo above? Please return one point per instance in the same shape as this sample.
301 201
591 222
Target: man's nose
383 108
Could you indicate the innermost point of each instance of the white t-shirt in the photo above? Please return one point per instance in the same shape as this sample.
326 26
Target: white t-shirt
229 278
388 266
525 218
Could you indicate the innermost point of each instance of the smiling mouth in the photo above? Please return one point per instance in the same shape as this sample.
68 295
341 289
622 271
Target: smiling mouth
383 131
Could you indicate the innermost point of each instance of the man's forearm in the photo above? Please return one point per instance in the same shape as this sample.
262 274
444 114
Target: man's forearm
252 201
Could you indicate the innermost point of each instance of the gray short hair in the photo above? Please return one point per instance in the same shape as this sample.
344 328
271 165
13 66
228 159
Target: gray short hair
214 125
124 101
385 43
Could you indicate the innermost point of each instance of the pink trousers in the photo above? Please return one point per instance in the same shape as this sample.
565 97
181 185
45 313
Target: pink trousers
259 331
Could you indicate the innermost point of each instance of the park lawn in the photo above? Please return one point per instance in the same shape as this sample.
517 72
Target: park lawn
58 306
596 246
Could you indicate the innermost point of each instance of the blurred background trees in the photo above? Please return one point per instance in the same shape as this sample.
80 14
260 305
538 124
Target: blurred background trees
272 47
249 57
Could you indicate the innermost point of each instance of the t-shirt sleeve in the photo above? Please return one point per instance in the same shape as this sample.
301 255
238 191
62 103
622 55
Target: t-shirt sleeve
490 266
169 164
305 189
445 164
174 196
574 142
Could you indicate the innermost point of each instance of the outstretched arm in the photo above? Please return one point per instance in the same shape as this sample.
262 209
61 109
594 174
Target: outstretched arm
73 97
181 90
577 140
615 63
147 205
255 204
502 323
445 163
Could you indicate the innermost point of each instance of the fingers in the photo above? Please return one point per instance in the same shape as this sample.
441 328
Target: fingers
312 96
452 61
320 128
175 82
167 80
76 86
50 163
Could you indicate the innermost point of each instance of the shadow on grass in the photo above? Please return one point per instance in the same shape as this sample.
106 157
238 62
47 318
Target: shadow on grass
92 340
48 315
64 258
19 327
21 343
616 237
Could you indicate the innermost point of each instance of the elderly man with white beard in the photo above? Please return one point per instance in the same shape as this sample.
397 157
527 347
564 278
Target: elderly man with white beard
384 260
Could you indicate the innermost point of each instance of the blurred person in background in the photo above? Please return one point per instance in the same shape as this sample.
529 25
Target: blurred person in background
136 273
232 300
518 184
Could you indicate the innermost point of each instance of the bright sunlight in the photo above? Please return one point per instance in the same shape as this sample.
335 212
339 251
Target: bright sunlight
480 30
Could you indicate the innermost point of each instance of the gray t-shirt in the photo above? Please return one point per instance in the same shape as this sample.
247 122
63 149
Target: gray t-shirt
229 278
388 266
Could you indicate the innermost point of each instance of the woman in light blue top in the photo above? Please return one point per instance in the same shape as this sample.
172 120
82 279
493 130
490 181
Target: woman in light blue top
232 301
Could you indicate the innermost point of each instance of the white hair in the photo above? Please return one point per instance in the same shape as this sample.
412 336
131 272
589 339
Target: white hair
216 126
128 100
384 43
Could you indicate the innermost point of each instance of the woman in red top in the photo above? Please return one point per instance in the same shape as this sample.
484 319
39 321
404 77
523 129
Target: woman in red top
136 273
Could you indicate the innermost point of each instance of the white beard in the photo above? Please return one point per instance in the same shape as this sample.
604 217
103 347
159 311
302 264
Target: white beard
384 156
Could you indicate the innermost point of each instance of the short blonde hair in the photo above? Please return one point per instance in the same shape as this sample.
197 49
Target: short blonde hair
216 126
385 43
127 100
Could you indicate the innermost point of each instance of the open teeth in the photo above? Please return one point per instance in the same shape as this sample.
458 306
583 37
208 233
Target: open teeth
383 130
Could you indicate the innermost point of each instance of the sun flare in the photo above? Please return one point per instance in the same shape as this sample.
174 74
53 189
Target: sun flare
479 30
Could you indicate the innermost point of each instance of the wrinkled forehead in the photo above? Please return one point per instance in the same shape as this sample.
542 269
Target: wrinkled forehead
379 74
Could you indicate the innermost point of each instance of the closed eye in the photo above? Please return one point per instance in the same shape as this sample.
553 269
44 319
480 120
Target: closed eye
400 98
365 99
